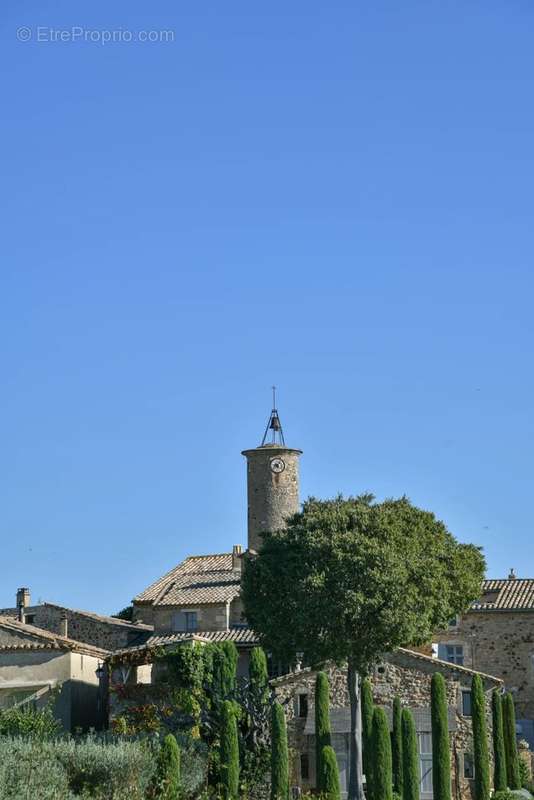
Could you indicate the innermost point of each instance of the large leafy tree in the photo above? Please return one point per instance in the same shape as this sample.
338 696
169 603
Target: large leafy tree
348 580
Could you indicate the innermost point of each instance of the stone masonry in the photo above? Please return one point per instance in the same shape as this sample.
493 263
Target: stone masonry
273 495
501 643
404 674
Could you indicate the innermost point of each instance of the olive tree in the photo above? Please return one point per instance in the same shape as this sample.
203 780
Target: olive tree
348 580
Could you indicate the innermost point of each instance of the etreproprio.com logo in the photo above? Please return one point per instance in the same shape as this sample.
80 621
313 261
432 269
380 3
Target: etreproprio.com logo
46 35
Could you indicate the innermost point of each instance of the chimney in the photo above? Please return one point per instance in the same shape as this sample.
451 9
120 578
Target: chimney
237 551
23 601
64 625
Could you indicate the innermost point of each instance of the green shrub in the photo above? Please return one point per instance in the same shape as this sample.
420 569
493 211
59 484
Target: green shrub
499 756
167 778
396 746
331 789
229 752
410 758
322 728
279 755
480 739
510 742
441 759
367 735
382 766
26 721
524 776
62 769
506 794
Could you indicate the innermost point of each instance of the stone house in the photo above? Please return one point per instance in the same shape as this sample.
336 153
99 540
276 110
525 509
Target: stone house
496 635
406 674
201 595
108 633
37 666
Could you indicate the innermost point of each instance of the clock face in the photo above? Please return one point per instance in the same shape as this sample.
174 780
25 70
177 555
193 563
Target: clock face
277 465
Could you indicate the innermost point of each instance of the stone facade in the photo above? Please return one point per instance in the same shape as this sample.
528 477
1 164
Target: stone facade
209 617
34 663
83 626
403 674
501 643
273 495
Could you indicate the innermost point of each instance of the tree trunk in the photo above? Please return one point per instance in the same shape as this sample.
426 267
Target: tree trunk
356 791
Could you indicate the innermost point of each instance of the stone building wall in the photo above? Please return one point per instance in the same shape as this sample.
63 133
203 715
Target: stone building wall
209 617
500 643
99 631
399 675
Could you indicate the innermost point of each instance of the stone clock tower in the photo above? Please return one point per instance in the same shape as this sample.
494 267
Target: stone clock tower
272 482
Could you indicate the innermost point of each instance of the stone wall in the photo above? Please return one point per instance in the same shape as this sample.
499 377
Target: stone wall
99 631
272 496
209 617
500 643
400 675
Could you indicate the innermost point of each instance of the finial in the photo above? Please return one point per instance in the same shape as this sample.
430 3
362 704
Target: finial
274 425
512 576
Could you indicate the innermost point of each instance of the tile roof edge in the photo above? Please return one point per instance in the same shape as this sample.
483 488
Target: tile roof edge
62 642
403 650
103 617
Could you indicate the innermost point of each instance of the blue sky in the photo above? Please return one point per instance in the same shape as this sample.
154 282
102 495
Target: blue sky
334 197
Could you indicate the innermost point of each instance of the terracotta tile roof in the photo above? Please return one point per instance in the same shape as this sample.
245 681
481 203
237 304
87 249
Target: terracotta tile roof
511 594
39 636
241 636
196 581
237 635
26 646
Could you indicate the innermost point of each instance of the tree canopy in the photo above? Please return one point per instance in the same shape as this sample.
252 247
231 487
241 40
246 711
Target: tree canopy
348 580
351 579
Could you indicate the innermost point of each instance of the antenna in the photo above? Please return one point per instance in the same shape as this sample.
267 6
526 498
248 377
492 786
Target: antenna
274 425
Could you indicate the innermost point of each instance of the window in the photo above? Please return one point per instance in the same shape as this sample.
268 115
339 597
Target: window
185 621
190 621
454 653
466 703
303 705
424 746
30 618
469 766
304 766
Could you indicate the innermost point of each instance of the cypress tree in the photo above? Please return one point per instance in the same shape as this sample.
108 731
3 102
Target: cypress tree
499 776
510 742
167 778
367 735
331 789
382 767
322 727
480 739
258 673
229 752
396 746
279 755
441 757
410 758
225 658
